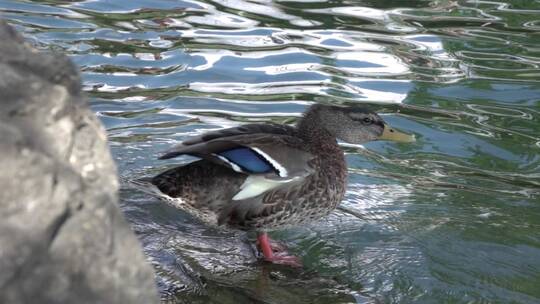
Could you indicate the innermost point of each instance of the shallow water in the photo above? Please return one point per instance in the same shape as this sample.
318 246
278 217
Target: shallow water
452 218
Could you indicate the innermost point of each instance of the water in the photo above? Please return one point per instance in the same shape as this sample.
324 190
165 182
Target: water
452 218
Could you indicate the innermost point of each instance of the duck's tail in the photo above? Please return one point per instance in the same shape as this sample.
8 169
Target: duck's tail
145 185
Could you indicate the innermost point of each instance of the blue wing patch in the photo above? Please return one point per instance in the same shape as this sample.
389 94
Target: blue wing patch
247 159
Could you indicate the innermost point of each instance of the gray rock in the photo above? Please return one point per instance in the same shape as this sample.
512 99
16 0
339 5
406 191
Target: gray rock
62 236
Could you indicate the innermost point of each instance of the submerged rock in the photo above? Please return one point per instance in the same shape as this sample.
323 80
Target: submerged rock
62 236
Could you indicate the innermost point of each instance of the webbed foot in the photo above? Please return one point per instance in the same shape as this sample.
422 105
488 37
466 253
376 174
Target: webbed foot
276 253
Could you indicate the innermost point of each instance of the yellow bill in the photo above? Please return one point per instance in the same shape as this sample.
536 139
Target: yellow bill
392 134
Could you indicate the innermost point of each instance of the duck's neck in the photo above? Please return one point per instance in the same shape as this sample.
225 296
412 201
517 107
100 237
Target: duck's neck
311 129
321 142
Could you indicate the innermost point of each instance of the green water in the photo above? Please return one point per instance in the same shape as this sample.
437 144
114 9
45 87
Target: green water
452 218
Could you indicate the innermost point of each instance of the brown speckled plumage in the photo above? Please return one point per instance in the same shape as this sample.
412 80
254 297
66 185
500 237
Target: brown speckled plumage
309 152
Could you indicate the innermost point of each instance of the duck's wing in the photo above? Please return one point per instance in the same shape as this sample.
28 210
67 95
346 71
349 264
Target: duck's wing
272 158
240 130
197 142
269 154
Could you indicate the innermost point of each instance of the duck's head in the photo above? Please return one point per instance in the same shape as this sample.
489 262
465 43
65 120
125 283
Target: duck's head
352 124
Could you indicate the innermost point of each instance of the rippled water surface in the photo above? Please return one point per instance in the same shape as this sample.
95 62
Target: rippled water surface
452 218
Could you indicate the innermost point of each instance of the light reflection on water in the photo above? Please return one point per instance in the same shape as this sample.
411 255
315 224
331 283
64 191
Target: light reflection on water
453 217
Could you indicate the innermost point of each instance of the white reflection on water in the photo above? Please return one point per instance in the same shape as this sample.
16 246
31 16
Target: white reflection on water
360 12
269 8
372 200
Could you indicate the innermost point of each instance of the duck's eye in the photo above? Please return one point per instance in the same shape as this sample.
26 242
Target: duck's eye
367 121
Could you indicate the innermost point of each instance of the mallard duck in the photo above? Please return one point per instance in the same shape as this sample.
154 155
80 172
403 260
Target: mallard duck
269 176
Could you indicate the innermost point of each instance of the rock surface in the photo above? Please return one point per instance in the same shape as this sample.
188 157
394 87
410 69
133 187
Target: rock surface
62 236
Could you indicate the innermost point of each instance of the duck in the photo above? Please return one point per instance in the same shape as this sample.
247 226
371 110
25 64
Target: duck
265 176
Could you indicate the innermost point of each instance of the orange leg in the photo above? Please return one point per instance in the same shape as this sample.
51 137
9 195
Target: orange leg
275 254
